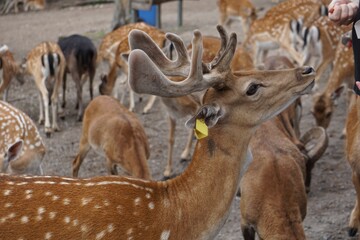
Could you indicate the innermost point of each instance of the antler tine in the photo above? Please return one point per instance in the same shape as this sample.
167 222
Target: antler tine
224 41
142 67
224 61
140 40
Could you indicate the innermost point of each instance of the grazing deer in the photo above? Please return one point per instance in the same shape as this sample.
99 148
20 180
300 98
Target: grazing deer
21 147
352 154
80 54
244 10
341 77
28 4
273 31
46 63
111 129
9 69
112 206
273 188
111 49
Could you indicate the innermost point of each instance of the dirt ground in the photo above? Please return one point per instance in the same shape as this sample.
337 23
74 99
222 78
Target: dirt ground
332 194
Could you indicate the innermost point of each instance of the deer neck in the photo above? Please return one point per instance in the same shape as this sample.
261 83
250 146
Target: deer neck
205 191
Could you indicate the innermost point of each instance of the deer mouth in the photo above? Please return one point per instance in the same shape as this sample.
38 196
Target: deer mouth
308 88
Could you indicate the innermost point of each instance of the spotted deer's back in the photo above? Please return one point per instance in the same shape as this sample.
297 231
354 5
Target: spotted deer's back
15 125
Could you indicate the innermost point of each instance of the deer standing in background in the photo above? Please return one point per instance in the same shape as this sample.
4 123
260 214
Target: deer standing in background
46 64
28 5
80 54
244 10
273 188
109 207
21 146
9 69
112 130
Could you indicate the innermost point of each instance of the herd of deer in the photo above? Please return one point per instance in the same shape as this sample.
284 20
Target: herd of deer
246 98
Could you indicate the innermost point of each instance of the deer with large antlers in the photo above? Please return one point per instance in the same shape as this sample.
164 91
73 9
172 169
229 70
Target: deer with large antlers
111 129
9 69
273 189
21 147
111 49
156 210
46 64
341 77
187 105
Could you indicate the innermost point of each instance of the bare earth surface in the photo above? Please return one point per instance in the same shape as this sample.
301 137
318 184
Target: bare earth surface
332 194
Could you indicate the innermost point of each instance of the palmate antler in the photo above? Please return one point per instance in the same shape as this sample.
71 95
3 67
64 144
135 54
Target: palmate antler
148 61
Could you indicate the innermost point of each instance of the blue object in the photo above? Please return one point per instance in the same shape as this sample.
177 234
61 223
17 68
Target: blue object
149 16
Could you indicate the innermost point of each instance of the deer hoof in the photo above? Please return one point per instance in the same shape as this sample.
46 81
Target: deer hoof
352 231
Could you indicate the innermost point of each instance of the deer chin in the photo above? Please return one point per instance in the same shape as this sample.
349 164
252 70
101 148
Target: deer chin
308 88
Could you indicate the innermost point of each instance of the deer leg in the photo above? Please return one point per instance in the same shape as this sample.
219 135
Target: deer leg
91 80
172 126
111 167
79 104
83 150
45 100
149 104
41 110
8 7
5 88
355 214
185 155
64 91
248 232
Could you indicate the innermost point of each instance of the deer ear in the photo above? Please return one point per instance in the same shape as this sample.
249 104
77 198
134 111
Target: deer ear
336 94
12 153
210 114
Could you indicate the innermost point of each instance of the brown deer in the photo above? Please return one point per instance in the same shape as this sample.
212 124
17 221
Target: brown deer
111 129
273 189
187 105
28 5
21 146
352 155
46 64
9 69
244 10
80 54
156 210
341 77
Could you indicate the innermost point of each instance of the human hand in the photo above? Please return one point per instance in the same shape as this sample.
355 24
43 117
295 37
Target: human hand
342 12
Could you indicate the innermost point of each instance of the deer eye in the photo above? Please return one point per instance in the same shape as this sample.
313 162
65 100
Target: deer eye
252 89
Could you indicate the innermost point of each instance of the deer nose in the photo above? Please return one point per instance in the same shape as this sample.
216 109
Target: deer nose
308 70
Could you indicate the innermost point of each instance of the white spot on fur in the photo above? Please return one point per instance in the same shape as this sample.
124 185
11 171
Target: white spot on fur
165 235
84 228
75 222
66 201
100 235
52 215
151 205
85 201
148 196
41 210
137 201
7 192
48 235
24 219
67 219
54 198
7 205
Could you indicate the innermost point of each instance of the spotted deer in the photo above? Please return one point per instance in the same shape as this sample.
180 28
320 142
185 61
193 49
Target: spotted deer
21 146
28 5
273 31
46 64
243 10
156 210
9 69
320 42
341 78
111 49
111 129
280 156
